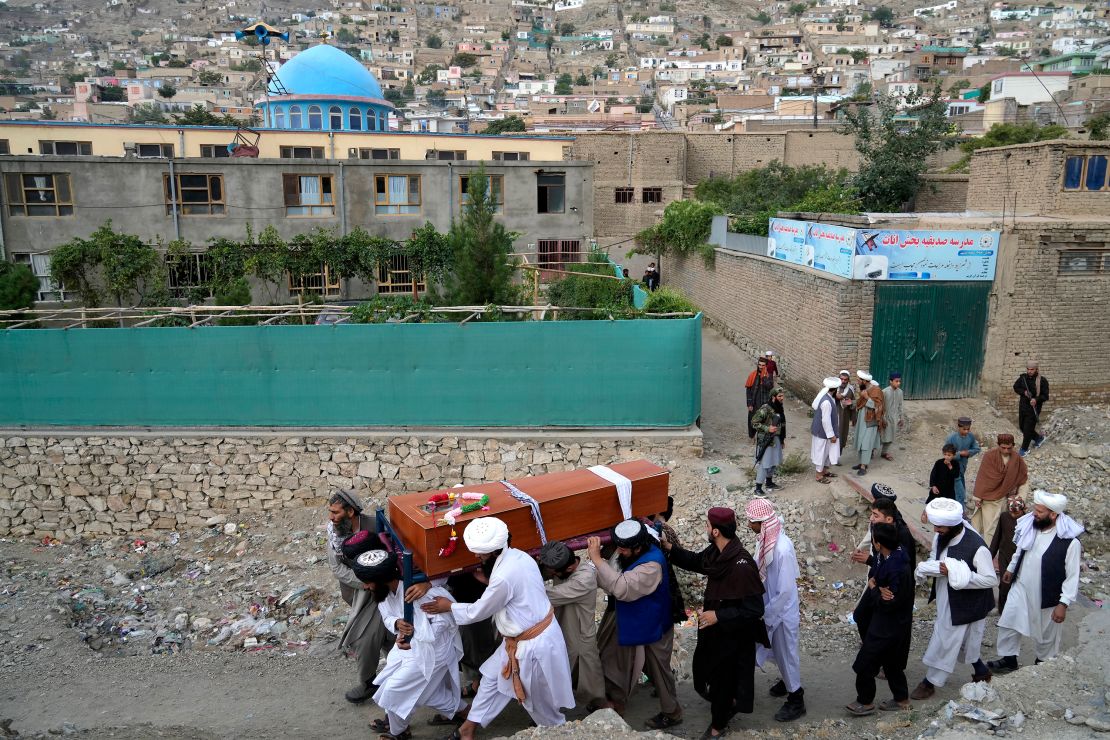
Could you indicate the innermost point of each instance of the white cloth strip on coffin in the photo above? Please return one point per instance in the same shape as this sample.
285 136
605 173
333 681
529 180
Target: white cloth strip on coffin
532 504
624 487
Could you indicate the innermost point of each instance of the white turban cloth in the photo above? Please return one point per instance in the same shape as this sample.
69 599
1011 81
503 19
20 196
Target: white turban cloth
1025 533
486 534
864 375
945 512
835 383
1052 501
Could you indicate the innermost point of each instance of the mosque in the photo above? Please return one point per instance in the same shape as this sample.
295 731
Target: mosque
325 89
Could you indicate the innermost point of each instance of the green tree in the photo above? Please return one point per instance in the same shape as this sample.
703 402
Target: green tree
393 95
884 15
612 59
508 124
959 85
146 113
430 255
167 91
434 42
797 9
436 97
858 55
113 94
107 264
724 40
1097 127
344 36
198 115
566 29
563 84
482 251
210 77
684 230
1007 134
428 75
464 60
18 286
985 93
762 18
581 80
505 35
895 146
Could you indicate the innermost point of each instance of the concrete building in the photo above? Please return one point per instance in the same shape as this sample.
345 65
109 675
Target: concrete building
1027 88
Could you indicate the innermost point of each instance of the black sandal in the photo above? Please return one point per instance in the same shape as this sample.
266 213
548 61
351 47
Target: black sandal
406 735
381 724
662 721
439 720
469 692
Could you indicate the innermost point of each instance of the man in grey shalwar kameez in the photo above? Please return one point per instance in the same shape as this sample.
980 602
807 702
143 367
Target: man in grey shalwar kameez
869 420
770 425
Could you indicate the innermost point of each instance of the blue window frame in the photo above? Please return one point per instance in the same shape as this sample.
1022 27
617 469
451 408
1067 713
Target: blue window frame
1096 172
1073 173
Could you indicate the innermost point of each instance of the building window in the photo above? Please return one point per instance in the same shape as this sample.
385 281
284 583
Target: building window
189 276
324 283
40 266
1087 173
354 119
444 155
556 254
155 150
295 116
196 194
379 153
511 156
551 192
1084 262
651 195
335 116
395 276
495 187
396 194
214 150
5 148
302 152
65 147
624 195
279 118
315 118
308 195
39 195
383 122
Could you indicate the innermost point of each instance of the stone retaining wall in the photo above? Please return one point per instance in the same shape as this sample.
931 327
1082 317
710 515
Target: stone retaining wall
68 486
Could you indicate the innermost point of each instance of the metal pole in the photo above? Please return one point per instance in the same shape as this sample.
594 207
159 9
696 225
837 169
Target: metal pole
814 97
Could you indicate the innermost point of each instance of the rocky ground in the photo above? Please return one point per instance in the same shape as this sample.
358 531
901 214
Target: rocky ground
230 630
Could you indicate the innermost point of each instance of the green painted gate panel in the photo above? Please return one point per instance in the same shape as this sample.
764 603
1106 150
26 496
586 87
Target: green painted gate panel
933 333
637 373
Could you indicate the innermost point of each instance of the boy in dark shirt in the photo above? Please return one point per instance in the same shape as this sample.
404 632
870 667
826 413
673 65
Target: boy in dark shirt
944 476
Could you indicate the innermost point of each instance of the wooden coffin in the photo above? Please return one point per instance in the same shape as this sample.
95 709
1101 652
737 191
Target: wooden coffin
572 503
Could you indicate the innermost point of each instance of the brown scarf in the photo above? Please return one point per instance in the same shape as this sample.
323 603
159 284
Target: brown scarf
872 392
996 479
512 665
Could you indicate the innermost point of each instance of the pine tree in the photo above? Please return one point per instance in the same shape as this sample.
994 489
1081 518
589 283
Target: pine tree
483 250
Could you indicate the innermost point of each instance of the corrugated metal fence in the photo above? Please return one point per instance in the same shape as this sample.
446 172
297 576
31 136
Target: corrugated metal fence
636 373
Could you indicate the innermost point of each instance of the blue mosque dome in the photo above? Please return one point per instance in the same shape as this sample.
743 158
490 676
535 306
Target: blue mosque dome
325 89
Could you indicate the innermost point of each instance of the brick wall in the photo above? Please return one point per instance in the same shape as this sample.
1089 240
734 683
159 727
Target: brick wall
1029 179
942 194
1057 320
816 323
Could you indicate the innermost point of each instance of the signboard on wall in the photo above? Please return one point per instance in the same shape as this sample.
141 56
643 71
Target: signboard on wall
885 254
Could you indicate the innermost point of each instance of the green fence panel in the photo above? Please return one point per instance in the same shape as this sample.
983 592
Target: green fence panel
637 373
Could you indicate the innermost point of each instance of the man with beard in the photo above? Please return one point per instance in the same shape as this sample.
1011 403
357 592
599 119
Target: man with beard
573 593
1032 389
963 585
423 669
731 622
846 402
530 665
758 390
1044 581
1001 474
883 511
778 570
770 423
365 635
643 620
824 449
870 420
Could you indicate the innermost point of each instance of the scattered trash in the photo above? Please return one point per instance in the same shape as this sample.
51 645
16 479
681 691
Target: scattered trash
230 528
833 547
713 470
838 585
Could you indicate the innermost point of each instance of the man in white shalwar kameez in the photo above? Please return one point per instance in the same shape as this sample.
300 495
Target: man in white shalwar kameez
530 665
1044 578
778 569
824 448
423 668
964 579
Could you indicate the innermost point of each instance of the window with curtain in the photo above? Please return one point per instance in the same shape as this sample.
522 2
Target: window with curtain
335 114
383 122
295 116
1096 172
39 195
396 194
48 291
354 119
308 195
1073 173
495 187
279 118
315 118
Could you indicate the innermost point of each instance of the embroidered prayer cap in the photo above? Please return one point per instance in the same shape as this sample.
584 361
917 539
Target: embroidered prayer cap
486 534
1057 502
777 391
831 382
630 533
722 516
864 375
555 555
347 498
963 421
759 510
376 566
944 512
1005 439
882 490
358 543
1015 505
896 376
886 535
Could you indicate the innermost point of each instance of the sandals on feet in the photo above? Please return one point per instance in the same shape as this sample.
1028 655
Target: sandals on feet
887 457
860 710
406 735
379 725
469 692
440 720
824 479
662 721
895 706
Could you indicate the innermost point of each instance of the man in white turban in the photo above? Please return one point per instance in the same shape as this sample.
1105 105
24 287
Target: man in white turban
870 419
824 448
1044 578
531 663
963 585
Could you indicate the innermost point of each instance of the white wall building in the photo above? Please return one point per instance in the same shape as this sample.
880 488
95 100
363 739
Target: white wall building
1026 88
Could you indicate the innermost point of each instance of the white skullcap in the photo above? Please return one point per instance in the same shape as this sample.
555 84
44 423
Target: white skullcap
768 353
1053 501
844 372
944 512
486 534
863 375
831 382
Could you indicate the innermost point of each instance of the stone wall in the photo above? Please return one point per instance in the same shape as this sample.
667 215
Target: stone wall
1028 179
942 194
66 486
815 322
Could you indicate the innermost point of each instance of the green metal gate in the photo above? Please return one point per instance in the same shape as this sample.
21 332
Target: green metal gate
933 333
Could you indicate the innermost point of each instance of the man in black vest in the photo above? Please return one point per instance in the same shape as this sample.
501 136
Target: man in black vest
963 575
1044 578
